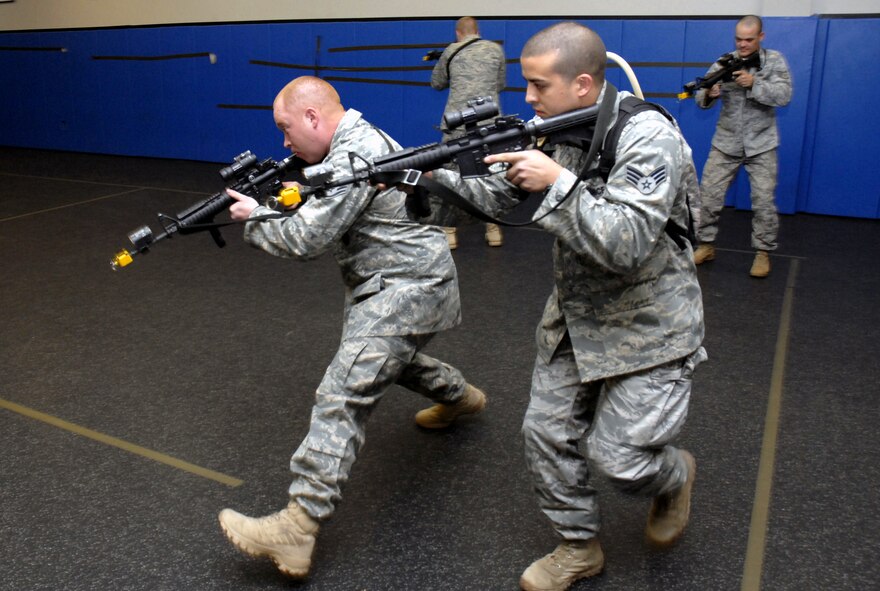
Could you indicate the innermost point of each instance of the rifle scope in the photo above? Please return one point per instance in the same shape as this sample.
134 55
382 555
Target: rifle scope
479 109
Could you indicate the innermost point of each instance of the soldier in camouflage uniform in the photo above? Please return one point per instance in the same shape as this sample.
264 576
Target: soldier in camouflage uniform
471 67
746 135
400 288
621 333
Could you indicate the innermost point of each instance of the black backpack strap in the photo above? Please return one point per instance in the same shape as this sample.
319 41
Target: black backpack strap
629 107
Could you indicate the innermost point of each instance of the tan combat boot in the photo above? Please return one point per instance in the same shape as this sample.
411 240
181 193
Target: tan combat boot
442 415
761 264
287 537
493 235
705 252
570 562
451 238
669 513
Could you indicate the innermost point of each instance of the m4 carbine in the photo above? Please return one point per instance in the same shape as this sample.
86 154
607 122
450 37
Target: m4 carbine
256 178
729 63
503 134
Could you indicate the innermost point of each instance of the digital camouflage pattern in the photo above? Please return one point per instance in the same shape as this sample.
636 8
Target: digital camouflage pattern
354 383
477 70
719 172
628 423
621 333
746 134
747 123
399 275
400 288
624 290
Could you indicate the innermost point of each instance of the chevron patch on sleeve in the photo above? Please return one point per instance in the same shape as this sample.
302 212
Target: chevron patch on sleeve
646 183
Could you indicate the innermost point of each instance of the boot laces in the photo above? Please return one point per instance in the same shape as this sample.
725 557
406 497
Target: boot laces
562 555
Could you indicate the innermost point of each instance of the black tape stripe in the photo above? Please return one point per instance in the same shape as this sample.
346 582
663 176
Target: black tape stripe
245 107
405 46
52 49
342 68
376 81
151 58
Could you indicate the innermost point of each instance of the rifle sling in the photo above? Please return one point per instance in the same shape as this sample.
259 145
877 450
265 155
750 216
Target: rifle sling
457 51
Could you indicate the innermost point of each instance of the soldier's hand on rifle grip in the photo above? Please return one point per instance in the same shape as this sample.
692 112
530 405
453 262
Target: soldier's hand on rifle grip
715 91
531 170
743 78
243 206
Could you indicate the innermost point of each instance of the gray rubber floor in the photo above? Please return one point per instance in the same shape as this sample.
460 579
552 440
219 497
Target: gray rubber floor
210 357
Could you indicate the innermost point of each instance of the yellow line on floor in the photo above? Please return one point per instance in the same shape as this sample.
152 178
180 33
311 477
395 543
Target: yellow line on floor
754 563
74 204
121 444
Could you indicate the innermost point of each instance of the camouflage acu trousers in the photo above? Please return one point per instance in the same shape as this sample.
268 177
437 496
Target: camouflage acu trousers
624 424
719 172
360 374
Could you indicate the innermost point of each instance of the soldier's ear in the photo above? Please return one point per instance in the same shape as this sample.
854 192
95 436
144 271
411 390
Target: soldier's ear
310 117
583 84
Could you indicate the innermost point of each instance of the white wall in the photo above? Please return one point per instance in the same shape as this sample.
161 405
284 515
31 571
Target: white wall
73 14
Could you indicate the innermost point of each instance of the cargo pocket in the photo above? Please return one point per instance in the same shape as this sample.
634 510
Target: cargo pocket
370 287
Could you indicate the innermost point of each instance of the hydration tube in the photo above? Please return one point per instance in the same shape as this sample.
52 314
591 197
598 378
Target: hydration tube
637 90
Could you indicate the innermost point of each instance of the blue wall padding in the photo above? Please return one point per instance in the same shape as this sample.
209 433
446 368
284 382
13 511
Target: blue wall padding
843 178
171 108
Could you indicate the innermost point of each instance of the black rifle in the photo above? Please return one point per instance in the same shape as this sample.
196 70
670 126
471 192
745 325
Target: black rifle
730 63
432 55
246 174
504 134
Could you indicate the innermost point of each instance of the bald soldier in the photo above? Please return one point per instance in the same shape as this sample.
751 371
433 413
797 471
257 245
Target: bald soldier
400 289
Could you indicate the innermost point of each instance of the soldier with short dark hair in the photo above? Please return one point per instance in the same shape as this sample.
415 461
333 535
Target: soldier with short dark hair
746 135
401 288
622 330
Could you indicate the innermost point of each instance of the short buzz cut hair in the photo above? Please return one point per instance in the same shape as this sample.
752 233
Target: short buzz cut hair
579 50
750 20
467 25
308 91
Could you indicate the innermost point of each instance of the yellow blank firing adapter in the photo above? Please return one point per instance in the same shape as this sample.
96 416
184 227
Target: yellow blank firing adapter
123 258
288 197
141 239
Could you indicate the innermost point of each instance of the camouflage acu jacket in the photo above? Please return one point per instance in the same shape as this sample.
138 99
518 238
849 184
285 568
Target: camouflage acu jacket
477 70
399 275
624 290
747 123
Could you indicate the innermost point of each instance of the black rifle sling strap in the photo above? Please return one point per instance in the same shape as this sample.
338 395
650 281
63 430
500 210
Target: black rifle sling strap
419 203
629 107
458 50
603 119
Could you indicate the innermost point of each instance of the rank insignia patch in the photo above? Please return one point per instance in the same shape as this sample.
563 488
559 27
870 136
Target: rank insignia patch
646 183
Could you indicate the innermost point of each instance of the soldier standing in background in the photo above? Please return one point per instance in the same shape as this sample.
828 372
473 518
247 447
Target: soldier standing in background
470 67
746 135
401 288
